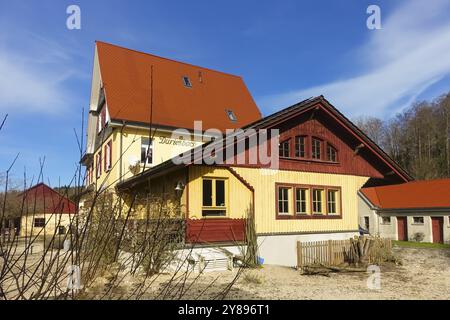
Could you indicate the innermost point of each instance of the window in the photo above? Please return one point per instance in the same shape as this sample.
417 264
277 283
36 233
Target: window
101 120
39 222
284 149
331 154
108 154
300 147
283 200
301 200
146 150
99 123
418 220
187 82
213 197
332 196
98 165
317 198
308 201
231 115
316 148
386 220
61 230
367 223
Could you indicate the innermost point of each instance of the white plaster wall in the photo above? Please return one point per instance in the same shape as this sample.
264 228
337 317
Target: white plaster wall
447 229
282 249
424 228
387 230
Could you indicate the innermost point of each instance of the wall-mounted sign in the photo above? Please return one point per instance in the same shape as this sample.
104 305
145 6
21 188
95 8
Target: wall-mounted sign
177 142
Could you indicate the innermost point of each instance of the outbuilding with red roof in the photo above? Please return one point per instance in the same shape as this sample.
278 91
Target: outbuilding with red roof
416 210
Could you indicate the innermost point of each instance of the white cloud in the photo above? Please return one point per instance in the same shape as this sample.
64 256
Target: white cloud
403 59
32 74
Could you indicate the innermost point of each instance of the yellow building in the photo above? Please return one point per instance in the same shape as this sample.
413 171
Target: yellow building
45 212
302 184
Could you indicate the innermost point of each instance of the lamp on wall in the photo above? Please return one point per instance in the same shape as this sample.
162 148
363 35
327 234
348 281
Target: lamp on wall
180 186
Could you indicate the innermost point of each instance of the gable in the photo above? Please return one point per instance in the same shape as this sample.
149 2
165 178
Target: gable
314 117
348 161
43 199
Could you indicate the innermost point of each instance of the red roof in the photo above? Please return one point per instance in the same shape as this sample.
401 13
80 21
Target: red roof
43 199
126 78
411 195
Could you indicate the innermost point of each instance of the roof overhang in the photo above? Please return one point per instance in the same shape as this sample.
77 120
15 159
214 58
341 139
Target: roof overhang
268 123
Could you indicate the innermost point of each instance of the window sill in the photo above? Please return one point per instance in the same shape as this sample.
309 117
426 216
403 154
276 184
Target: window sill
214 217
306 216
310 160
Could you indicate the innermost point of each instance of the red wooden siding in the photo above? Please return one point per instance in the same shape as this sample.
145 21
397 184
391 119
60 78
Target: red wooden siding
43 199
215 230
321 126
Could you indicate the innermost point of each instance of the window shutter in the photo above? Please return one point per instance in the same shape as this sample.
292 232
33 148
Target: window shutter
105 160
96 166
110 154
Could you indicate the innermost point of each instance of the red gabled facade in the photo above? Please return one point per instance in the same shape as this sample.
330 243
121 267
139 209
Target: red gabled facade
43 199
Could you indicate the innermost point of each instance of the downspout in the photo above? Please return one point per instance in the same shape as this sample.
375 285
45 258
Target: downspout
120 163
121 149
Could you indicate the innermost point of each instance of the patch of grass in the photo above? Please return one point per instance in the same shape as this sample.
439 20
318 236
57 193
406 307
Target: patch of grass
253 278
412 244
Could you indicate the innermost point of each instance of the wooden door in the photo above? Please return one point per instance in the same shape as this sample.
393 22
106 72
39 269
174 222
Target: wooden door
402 227
437 225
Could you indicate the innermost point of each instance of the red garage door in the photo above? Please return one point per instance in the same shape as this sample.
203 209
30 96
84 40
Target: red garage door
402 227
437 224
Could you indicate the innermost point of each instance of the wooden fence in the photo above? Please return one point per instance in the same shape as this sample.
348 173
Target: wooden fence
332 252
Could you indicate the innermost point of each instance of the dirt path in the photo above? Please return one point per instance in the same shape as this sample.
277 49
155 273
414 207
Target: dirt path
425 274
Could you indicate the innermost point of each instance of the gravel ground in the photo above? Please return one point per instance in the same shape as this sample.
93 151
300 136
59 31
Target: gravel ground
424 274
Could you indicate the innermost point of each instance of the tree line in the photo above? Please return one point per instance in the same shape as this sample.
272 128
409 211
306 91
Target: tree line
416 138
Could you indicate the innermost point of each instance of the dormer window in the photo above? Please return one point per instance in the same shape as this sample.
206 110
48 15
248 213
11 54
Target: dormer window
231 115
187 82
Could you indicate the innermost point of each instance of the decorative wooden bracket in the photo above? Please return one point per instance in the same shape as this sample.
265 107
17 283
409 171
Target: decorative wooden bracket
358 148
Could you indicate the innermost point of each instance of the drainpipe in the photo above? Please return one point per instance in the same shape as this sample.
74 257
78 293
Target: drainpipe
121 150
120 162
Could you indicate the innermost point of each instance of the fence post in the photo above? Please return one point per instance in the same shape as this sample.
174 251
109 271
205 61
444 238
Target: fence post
299 255
330 252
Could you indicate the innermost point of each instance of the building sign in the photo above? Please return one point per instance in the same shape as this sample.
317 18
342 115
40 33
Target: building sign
177 142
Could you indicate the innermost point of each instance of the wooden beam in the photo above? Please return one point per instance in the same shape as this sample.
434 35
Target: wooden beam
358 148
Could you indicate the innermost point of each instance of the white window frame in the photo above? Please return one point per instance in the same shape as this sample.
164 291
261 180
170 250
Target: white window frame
287 200
335 202
147 146
108 147
305 200
321 202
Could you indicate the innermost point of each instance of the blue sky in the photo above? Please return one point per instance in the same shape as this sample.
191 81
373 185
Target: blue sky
286 51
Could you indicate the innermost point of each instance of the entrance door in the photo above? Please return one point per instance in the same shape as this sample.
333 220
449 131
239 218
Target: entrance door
437 225
402 227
